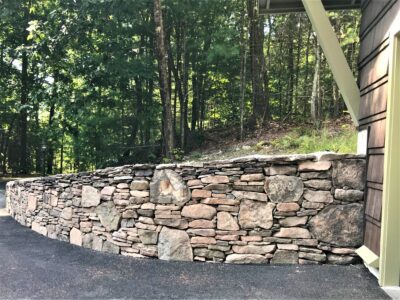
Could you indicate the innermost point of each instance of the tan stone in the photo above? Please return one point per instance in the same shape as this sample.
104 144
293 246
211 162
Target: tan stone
201 193
199 211
293 221
203 240
194 182
251 238
225 221
289 247
255 214
252 177
215 179
139 194
294 233
75 237
32 202
288 207
253 249
246 259
315 166
201 224
39 228
220 201
139 185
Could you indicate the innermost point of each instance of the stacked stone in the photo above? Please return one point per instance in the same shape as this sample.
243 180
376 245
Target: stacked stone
291 209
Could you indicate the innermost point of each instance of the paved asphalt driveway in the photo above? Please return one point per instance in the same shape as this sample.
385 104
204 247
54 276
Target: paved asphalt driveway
33 266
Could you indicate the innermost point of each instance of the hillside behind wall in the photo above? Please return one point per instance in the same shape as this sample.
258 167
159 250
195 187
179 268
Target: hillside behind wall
267 209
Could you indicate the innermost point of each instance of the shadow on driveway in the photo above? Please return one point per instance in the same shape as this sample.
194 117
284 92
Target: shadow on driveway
33 266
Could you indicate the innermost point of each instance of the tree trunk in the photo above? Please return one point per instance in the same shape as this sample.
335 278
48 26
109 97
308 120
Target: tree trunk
163 78
315 115
256 29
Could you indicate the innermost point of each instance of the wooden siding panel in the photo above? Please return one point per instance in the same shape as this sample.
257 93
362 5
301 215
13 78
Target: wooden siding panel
370 12
377 135
373 207
375 69
375 168
374 102
372 236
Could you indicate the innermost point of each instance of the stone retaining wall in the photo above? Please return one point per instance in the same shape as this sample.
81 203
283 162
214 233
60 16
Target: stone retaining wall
265 209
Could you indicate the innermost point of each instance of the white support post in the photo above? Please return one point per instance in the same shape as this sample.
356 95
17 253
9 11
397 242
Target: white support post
334 55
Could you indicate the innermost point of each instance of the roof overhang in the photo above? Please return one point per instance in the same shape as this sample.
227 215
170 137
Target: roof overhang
286 6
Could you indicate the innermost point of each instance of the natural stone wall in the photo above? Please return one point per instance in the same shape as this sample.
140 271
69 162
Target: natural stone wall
305 209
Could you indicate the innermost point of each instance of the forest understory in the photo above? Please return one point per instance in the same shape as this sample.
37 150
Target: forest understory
339 135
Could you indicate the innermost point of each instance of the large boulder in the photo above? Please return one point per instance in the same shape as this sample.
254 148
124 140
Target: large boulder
349 173
174 245
167 187
340 225
283 188
90 196
109 216
253 214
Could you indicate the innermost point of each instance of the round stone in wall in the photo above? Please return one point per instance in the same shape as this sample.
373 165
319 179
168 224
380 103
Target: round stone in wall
283 188
168 187
340 225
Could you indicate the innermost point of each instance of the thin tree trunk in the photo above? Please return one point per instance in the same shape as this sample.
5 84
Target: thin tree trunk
315 89
243 54
163 78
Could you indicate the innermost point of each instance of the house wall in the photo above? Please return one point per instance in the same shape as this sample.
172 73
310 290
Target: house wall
305 209
377 19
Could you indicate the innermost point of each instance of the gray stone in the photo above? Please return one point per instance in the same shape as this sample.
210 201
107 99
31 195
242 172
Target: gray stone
250 195
318 184
285 257
90 196
339 225
148 237
140 185
349 173
109 216
349 195
282 188
66 213
87 240
97 243
280 170
342 259
320 257
110 247
167 186
318 196
253 214
174 245
246 259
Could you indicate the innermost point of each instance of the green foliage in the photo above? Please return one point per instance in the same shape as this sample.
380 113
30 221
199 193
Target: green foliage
308 140
92 82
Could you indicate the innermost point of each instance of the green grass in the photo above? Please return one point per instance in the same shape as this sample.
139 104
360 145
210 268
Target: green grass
303 140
